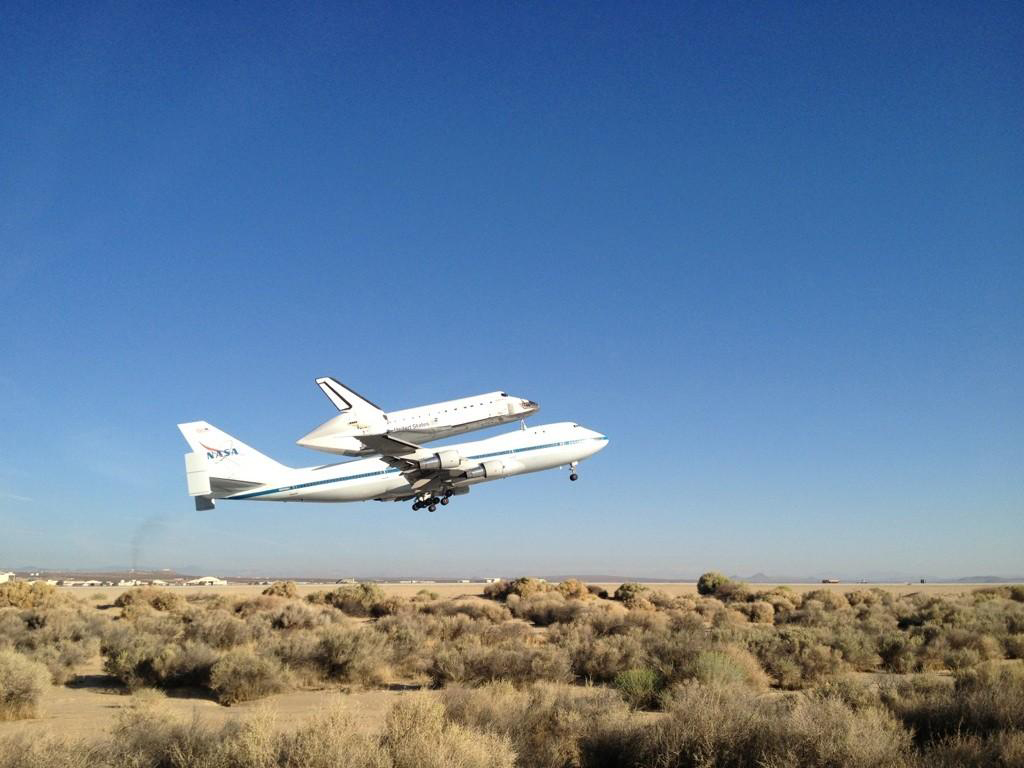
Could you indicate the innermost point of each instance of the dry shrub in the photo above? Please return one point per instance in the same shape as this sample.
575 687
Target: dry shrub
139 658
727 665
630 593
241 675
983 701
130 656
21 594
898 651
331 739
866 597
363 599
475 609
762 612
545 609
188 664
46 751
729 618
573 589
829 599
22 682
672 653
220 629
550 725
1007 591
157 599
733 592
852 691
1014 645
709 582
418 735
471 662
599 658
991 697
639 687
61 637
282 589
522 587
794 656
959 750
730 726
293 616
352 654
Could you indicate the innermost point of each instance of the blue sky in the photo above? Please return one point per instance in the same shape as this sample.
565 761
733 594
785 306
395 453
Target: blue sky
776 253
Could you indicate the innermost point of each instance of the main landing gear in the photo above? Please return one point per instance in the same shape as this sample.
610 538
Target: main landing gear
431 502
572 471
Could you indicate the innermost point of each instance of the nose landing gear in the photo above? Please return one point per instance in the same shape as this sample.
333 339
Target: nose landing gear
572 471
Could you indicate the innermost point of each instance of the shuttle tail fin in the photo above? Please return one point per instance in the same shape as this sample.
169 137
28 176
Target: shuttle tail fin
344 399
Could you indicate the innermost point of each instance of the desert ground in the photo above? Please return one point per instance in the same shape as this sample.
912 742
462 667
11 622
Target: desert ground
903 660
450 590
85 707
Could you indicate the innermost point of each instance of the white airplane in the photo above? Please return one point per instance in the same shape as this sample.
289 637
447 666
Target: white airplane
221 467
360 418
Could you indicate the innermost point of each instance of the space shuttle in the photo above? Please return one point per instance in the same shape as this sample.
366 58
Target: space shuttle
362 428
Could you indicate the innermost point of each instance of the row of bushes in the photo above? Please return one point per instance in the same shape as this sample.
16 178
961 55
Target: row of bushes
640 641
546 725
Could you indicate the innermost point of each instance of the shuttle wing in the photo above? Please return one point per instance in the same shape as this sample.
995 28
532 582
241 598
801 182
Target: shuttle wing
387 446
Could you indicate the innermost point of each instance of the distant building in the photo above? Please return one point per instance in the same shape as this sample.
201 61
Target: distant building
6 576
158 583
830 581
207 581
492 580
130 583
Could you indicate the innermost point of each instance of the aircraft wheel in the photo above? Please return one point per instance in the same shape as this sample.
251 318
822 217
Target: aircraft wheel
432 508
447 494
574 477
417 506
444 501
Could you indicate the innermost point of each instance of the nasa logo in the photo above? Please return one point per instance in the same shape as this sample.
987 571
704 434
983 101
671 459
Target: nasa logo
217 453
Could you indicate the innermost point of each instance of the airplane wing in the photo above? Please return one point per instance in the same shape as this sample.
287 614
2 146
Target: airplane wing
398 454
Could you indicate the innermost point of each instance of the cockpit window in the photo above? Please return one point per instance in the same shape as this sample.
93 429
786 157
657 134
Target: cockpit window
504 394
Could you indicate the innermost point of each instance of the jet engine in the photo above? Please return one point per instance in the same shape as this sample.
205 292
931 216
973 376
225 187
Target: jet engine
441 460
491 470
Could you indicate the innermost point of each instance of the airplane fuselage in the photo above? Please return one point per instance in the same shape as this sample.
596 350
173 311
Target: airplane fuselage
507 455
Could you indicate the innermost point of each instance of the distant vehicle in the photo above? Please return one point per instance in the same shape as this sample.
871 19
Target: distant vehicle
221 467
360 418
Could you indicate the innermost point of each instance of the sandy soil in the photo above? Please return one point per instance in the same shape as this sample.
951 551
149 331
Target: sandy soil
447 590
88 708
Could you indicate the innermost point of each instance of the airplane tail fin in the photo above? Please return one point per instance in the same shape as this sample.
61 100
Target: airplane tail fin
221 465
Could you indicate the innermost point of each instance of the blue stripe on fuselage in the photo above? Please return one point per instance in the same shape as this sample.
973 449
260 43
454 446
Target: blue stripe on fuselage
392 470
